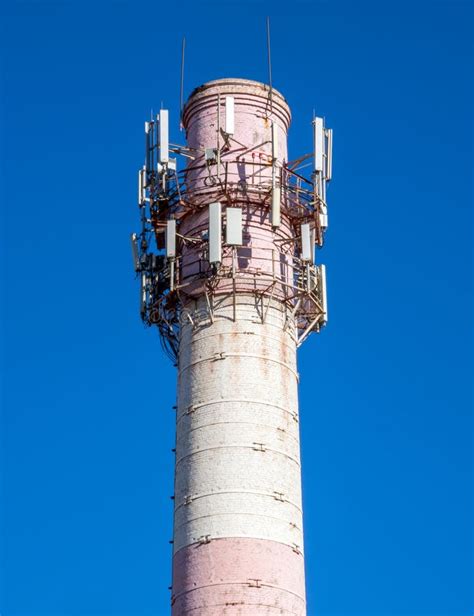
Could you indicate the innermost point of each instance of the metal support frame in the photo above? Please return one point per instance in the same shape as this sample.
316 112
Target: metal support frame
163 195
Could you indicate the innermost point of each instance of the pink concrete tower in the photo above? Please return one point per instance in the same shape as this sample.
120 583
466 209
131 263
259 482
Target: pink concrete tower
234 289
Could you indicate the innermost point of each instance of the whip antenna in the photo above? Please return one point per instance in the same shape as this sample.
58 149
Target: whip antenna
269 54
181 94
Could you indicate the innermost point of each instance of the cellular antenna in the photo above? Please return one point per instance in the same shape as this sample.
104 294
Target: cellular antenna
181 95
269 54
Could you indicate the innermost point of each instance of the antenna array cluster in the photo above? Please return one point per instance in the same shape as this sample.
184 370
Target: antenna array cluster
166 195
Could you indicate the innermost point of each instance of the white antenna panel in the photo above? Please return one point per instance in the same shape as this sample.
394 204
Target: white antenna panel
215 232
164 136
143 294
318 128
147 127
171 238
233 228
324 298
307 251
136 260
274 140
140 187
229 115
323 217
275 211
329 155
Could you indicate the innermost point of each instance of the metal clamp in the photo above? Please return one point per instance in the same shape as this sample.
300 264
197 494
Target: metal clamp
255 583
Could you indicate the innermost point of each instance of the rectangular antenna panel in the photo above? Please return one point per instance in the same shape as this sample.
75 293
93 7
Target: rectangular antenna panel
324 298
210 155
329 155
143 294
274 140
136 260
318 143
147 147
229 115
233 230
276 201
215 232
307 250
323 217
171 239
164 140
140 187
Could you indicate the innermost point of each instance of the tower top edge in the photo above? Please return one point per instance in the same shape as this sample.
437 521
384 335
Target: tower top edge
236 85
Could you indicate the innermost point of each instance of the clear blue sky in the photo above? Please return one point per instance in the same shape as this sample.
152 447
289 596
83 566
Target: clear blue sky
87 415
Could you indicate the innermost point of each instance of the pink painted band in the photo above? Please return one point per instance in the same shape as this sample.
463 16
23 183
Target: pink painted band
237 576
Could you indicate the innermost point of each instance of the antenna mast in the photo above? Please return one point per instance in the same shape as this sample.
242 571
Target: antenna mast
181 95
269 53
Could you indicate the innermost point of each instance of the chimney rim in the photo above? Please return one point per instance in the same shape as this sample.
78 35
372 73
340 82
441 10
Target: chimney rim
240 83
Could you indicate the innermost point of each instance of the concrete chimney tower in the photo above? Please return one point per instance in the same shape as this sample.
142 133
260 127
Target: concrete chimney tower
226 258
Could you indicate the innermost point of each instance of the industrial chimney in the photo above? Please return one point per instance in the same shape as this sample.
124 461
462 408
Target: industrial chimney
226 259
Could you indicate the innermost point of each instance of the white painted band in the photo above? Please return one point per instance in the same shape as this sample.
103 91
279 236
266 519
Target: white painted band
243 495
261 516
238 469
234 524
236 434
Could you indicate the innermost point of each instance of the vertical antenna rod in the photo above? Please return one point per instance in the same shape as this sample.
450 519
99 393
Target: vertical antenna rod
269 52
181 94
